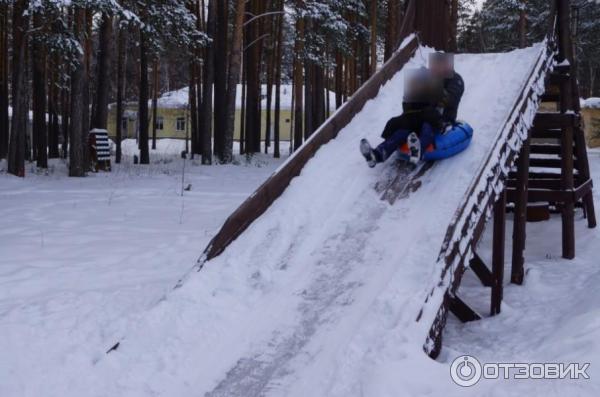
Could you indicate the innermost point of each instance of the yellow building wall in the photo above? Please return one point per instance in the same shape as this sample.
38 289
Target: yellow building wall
591 121
170 119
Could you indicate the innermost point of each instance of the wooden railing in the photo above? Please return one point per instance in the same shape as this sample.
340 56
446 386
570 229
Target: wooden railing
468 223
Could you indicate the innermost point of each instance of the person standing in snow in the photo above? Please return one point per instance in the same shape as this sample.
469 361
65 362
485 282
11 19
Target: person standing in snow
430 105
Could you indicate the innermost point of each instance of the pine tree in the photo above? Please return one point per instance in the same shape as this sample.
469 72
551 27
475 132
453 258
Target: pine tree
503 25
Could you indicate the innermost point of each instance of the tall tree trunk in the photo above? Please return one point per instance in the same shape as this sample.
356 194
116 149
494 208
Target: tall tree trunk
592 80
270 62
339 79
100 118
78 130
523 24
392 28
121 57
143 101
193 96
373 23
54 127
308 99
207 93
298 83
319 97
155 88
431 18
17 143
234 78
454 26
278 60
65 101
4 67
199 12
40 127
252 62
293 119
87 57
221 112
243 111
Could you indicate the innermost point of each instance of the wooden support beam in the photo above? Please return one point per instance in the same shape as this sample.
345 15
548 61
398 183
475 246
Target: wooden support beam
481 270
536 195
584 190
498 254
567 166
520 217
584 170
537 175
547 184
552 120
462 310
543 195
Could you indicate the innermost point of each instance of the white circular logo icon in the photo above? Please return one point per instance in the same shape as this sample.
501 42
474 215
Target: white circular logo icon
465 371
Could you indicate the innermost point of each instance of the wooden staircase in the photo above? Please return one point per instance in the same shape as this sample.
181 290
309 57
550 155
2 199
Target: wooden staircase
550 171
553 168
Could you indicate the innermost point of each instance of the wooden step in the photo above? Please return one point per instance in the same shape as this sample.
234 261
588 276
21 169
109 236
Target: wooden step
545 149
554 120
550 97
537 133
548 163
537 175
548 184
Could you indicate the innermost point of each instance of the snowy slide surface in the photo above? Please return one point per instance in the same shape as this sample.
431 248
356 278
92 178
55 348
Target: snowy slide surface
319 296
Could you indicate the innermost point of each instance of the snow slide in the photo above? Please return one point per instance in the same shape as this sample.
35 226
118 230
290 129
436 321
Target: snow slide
319 296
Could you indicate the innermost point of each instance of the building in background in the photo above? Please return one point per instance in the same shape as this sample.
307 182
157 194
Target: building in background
590 109
173 118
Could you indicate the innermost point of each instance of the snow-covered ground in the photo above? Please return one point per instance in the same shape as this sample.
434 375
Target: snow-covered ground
592 103
318 298
553 318
81 258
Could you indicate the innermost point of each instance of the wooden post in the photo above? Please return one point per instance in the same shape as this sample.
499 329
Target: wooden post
498 253
578 135
566 105
520 218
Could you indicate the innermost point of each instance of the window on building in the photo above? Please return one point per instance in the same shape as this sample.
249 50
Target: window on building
124 124
160 123
180 124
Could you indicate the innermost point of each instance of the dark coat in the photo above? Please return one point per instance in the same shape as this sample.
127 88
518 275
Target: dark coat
415 114
454 89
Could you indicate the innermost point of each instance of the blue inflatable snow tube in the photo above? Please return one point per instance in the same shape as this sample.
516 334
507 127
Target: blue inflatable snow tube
451 143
